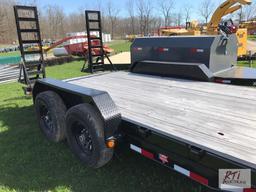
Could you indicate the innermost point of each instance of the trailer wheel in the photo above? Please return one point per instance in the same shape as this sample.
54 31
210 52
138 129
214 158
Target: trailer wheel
85 135
51 111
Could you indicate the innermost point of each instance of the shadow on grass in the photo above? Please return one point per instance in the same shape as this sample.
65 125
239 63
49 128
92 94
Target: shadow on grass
28 162
24 97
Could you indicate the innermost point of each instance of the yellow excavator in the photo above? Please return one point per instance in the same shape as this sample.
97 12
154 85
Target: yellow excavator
227 7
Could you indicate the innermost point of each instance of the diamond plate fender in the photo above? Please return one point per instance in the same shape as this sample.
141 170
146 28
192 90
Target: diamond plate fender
73 95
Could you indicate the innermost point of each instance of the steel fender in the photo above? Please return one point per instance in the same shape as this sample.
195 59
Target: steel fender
73 95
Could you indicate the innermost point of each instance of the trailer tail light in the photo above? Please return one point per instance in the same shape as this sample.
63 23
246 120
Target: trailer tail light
249 190
196 50
165 160
162 49
111 143
222 81
137 49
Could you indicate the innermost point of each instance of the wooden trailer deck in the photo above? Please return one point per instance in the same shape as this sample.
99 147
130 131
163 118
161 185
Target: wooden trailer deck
218 118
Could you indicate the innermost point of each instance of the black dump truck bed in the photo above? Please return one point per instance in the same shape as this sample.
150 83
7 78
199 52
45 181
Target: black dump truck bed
215 117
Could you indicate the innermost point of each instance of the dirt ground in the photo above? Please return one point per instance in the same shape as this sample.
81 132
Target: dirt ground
120 58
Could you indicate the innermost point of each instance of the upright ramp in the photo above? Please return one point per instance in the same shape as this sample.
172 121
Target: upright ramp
28 30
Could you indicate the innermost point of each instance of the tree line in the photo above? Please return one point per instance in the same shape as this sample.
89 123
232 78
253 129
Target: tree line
142 17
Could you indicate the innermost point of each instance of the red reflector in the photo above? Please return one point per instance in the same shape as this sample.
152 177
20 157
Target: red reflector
249 190
218 80
147 154
222 81
196 50
137 48
199 178
193 50
161 49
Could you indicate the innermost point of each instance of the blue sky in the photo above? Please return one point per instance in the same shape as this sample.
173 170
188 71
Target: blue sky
75 5
70 6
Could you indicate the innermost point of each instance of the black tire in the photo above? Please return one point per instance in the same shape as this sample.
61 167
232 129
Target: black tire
51 111
85 135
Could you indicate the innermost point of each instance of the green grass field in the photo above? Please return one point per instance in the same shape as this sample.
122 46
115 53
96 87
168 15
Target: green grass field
246 64
28 162
120 45
252 37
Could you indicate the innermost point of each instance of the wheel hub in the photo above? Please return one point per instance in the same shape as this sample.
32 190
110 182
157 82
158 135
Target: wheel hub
83 138
46 118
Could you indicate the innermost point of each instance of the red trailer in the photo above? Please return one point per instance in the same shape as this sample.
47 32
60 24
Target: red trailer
80 48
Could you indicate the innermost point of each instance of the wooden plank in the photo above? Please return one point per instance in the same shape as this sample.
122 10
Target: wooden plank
233 106
221 89
190 111
181 116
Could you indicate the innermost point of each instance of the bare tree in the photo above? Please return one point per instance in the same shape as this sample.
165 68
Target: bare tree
166 6
76 21
144 13
130 8
249 12
7 21
141 10
3 24
206 9
240 15
187 12
112 15
56 18
156 24
179 18
99 6
54 23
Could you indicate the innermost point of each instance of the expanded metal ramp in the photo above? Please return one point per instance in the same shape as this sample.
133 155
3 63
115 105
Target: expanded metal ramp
94 33
30 43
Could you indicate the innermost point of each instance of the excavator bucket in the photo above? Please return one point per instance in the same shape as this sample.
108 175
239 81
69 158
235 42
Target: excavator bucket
228 7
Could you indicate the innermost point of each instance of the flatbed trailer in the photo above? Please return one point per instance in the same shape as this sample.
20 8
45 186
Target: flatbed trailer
179 109
163 108
189 126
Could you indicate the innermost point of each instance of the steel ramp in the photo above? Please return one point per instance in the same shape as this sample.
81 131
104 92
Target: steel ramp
30 43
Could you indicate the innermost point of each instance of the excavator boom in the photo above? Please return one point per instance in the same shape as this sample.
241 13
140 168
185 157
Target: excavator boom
232 9
225 8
